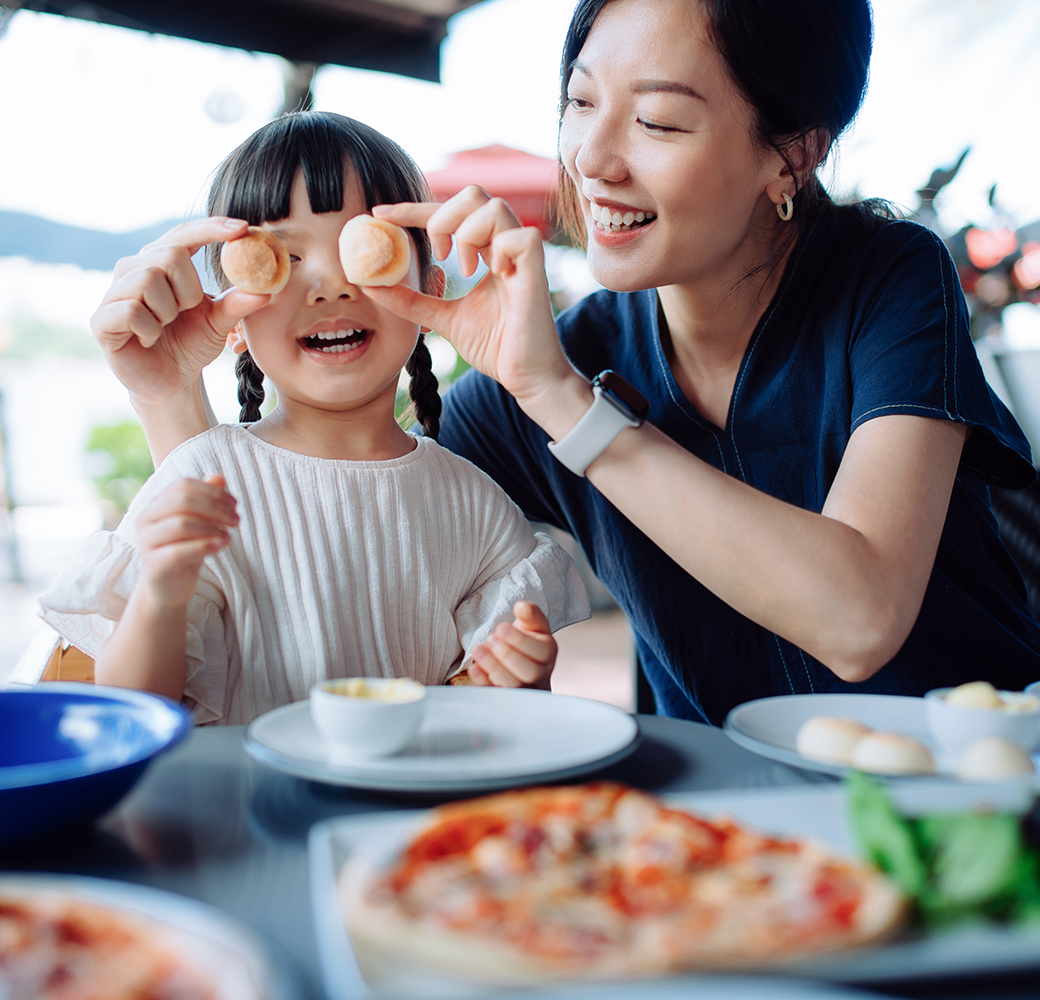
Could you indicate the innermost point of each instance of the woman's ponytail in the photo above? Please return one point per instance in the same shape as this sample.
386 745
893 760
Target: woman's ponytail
422 388
250 388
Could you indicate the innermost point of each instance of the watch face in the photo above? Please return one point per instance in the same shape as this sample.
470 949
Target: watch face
630 397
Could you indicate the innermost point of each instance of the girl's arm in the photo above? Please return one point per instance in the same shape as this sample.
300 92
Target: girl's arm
158 330
176 531
846 585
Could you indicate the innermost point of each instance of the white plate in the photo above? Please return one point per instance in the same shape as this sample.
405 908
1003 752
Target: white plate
471 739
769 726
209 941
816 811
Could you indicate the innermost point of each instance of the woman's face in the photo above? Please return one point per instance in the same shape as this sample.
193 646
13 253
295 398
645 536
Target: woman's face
321 341
656 133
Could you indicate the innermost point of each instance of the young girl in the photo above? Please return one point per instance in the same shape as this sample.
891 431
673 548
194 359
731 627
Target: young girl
356 548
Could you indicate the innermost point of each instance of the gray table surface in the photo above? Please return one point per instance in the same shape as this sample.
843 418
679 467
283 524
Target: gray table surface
208 822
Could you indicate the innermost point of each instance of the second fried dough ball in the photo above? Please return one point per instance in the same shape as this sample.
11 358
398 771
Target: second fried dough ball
257 262
374 251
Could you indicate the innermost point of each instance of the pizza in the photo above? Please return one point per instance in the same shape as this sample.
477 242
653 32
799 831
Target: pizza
55 947
603 881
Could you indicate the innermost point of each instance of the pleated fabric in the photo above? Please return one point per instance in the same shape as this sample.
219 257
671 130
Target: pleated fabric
381 569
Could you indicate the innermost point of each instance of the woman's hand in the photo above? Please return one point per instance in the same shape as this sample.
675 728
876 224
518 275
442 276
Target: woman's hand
519 655
504 326
177 530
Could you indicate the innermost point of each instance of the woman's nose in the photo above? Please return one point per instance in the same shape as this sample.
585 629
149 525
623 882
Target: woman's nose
600 153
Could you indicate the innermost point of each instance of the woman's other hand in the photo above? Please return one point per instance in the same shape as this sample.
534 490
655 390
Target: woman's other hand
522 654
177 530
504 326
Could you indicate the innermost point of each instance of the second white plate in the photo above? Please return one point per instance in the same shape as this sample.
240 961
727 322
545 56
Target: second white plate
769 726
471 739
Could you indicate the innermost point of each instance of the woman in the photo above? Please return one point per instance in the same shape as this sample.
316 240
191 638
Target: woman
805 506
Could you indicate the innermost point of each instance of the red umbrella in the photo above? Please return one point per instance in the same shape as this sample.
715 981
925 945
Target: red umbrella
526 181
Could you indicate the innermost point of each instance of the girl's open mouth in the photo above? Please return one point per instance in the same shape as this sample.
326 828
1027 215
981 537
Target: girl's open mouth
618 222
336 341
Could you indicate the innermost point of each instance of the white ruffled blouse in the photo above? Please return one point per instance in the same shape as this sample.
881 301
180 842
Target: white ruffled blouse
382 569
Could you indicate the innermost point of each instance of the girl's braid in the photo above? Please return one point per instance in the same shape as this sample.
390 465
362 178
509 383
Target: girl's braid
250 388
423 389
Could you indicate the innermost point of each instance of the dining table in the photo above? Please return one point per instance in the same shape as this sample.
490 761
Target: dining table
210 823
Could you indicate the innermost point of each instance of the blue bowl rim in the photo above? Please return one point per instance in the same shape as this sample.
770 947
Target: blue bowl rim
48 772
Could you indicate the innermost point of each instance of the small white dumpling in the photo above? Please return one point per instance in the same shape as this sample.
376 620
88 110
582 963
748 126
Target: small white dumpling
992 758
977 694
829 738
892 753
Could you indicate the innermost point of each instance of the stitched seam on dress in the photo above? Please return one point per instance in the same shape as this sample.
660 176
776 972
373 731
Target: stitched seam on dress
783 662
787 280
808 676
946 338
683 403
907 406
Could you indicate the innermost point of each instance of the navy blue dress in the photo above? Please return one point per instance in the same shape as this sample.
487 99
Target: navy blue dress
869 319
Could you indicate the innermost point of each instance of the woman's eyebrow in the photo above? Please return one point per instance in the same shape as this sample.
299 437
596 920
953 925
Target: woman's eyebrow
283 234
667 87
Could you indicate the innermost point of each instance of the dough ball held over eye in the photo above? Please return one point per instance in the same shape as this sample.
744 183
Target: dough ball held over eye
257 262
374 252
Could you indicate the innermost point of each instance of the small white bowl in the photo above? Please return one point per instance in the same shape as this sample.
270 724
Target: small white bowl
955 727
368 716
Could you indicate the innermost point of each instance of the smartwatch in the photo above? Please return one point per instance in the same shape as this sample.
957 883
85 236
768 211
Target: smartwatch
616 405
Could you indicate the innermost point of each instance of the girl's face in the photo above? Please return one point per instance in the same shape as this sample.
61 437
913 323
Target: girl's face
653 129
320 340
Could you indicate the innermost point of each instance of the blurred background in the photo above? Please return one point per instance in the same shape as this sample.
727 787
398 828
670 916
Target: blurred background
112 118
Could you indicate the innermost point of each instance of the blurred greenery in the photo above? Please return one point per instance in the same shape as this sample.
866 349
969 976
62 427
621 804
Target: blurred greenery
30 338
127 463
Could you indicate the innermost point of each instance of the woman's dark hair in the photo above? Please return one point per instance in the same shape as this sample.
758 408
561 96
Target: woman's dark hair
255 184
801 65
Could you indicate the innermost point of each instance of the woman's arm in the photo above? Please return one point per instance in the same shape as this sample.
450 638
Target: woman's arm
159 329
845 585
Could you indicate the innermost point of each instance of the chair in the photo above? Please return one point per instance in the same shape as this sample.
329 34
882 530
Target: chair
49 658
1018 515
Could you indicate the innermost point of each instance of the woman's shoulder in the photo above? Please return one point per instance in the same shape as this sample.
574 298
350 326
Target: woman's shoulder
865 238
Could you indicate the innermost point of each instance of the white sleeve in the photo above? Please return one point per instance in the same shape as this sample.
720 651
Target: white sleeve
521 566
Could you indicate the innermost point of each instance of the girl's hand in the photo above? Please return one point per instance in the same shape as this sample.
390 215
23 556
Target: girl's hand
519 655
177 530
504 326
157 327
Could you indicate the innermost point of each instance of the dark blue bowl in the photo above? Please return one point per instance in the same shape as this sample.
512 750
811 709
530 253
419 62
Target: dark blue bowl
69 752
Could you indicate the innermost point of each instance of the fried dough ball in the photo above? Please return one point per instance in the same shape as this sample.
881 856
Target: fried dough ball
257 262
830 738
374 252
892 753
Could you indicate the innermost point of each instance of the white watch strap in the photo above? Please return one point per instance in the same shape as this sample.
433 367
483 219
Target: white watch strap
589 437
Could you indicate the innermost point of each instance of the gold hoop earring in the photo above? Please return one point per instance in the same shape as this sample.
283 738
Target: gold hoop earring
786 210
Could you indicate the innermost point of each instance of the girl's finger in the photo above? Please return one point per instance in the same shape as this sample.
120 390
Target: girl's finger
506 639
497 672
191 236
226 310
531 618
115 323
